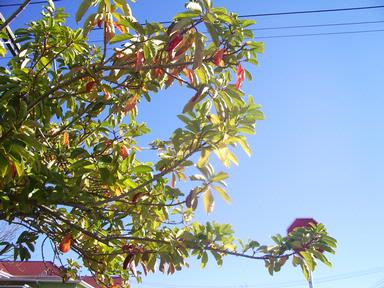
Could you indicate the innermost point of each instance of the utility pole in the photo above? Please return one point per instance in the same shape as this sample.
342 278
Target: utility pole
13 47
310 283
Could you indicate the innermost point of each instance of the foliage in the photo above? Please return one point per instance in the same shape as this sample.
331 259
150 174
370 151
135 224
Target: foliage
69 153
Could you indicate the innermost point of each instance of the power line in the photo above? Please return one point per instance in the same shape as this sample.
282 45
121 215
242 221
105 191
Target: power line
301 12
318 25
287 284
311 11
299 35
320 34
18 4
285 36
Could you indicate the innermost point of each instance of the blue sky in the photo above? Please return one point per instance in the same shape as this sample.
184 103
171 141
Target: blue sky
319 153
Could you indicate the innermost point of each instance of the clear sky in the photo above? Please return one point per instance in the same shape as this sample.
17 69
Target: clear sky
319 153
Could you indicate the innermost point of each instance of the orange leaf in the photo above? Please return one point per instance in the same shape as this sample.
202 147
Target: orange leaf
120 27
107 95
124 151
65 244
173 182
131 103
66 139
188 73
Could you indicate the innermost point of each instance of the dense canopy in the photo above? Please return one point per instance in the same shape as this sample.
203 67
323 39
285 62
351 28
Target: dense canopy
70 160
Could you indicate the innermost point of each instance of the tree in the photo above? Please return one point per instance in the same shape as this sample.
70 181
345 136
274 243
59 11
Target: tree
69 158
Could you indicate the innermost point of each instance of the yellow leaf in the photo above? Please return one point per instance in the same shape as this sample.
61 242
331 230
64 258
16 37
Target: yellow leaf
208 201
223 194
203 158
243 143
222 153
233 158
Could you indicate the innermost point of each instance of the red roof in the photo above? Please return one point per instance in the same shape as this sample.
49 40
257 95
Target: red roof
117 281
30 268
301 222
89 280
41 269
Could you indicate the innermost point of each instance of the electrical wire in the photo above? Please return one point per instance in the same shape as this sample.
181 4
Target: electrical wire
318 25
344 276
286 36
302 12
312 11
18 4
320 34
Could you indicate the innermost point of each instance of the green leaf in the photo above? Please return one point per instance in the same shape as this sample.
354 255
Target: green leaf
84 6
120 37
208 4
142 169
199 51
308 258
200 94
187 14
3 51
213 32
322 258
123 5
220 176
248 22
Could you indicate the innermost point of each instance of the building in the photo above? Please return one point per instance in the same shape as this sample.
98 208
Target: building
38 274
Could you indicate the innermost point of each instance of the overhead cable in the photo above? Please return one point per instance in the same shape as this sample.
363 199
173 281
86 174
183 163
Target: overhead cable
18 4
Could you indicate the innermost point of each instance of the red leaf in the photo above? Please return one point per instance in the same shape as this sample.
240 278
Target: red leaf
139 60
132 267
100 23
89 86
109 31
218 58
136 198
173 43
127 261
145 268
13 169
240 76
159 72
